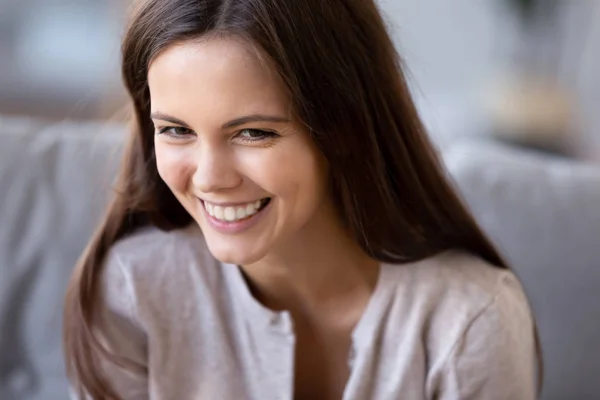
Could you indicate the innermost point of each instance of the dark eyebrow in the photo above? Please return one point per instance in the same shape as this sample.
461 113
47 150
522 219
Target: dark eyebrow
168 118
254 118
231 124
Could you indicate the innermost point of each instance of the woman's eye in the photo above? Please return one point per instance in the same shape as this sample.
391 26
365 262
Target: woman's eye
175 131
254 135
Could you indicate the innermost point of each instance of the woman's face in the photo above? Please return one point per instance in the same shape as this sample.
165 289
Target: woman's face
230 150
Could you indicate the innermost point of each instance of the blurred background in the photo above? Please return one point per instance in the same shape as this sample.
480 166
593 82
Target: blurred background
510 92
59 58
520 70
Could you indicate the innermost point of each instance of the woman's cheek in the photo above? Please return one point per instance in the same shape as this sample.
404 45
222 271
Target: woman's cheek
175 166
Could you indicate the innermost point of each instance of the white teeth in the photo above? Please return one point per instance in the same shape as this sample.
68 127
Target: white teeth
219 214
240 213
231 214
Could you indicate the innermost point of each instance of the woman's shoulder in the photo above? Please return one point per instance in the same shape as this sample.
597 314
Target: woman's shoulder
459 277
446 293
455 295
150 249
152 243
475 316
153 262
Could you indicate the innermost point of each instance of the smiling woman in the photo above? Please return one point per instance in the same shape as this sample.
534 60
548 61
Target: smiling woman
242 148
283 228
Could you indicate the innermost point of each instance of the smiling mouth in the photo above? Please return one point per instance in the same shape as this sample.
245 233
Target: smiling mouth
238 213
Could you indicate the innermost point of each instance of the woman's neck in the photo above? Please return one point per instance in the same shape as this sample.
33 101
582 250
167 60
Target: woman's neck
323 269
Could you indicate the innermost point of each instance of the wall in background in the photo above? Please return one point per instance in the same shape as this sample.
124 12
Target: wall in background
60 57
455 49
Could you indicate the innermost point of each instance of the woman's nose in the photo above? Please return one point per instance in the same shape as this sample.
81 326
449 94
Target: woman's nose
215 170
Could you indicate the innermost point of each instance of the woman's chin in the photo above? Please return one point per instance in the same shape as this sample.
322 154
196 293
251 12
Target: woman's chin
235 253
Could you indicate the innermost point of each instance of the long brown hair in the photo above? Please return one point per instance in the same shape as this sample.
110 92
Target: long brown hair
347 86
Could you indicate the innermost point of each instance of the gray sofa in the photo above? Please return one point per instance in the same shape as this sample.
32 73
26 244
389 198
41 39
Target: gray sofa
55 179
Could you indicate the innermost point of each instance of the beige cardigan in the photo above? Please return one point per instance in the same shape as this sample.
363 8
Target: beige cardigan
449 328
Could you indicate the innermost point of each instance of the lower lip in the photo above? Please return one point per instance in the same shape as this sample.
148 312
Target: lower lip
235 226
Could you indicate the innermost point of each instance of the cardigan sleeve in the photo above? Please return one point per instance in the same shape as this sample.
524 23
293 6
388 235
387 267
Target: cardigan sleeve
495 357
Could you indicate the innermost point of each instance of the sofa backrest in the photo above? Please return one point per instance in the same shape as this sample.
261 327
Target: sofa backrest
55 180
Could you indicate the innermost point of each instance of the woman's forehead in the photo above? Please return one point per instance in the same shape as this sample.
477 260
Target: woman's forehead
216 77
